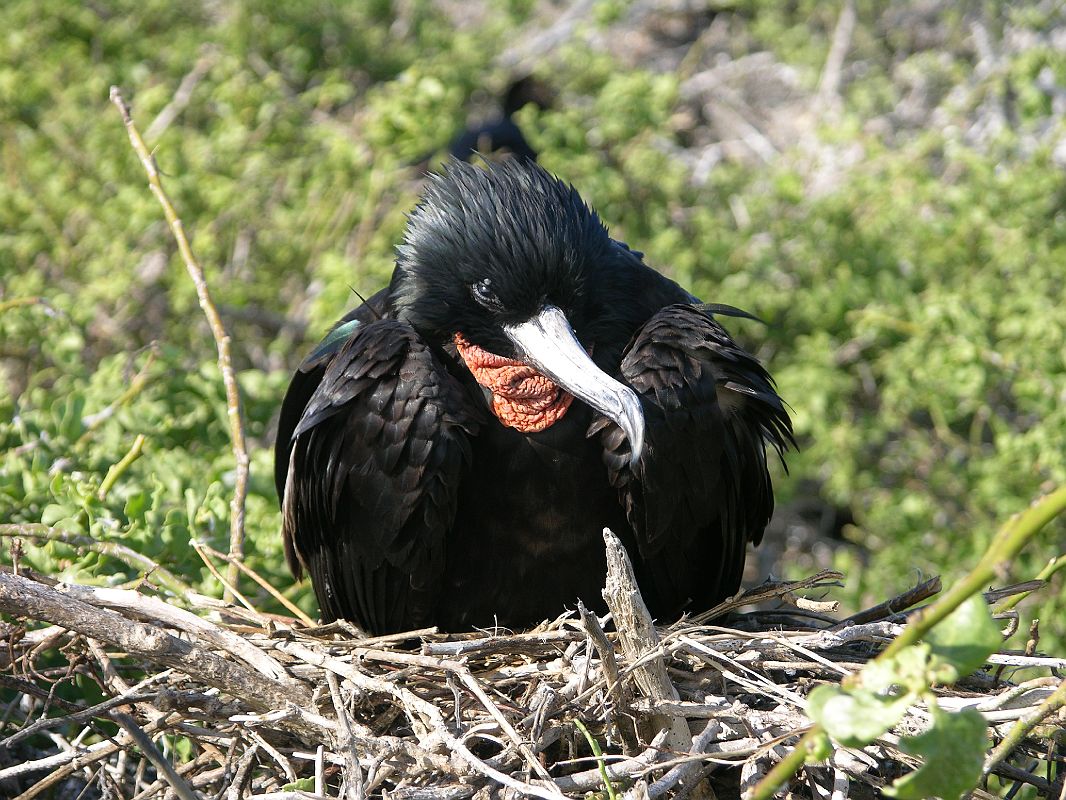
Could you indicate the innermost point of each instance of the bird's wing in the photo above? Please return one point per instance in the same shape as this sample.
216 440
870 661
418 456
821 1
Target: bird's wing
701 490
372 478
306 380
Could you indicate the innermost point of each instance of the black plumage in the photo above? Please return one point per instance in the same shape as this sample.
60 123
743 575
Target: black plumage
430 469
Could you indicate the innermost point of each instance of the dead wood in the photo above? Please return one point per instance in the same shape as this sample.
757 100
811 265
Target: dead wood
22 597
268 708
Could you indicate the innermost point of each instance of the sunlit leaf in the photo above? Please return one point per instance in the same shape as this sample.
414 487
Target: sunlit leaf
953 750
855 717
908 669
967 637
819 749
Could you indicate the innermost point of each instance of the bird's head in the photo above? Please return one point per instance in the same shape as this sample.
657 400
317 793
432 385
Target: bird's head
513 267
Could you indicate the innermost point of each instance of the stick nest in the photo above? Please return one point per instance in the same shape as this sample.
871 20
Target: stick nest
231 703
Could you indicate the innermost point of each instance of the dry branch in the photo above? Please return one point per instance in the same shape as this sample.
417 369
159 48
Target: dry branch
21 597
214 320
157 573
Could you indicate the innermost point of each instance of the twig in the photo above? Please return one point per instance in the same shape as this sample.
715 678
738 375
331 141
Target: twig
134 603
901 602
67 763
766 591
471 683
353 773
320 769
270 750
756 681
218 330
180 786
135 695
618 690
200 764
821 607
391 715
414 703
1022 776
116 470
159 574
230 586
590 779
1053 566
240 775
689 770
1024 726
1011 660
255 576
1024 588
517 643
182 95
829 85
21 597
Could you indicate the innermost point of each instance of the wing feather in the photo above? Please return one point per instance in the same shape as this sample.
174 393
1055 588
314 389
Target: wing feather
701 490
373 474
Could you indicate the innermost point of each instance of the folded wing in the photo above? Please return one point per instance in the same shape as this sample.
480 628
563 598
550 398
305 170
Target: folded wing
701 490
372 475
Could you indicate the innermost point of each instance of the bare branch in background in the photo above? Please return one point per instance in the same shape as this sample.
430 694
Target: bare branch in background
218 330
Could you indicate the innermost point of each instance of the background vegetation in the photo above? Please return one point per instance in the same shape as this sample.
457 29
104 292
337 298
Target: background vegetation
897 215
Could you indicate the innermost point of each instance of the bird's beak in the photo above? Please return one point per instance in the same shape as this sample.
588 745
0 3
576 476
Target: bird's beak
547 342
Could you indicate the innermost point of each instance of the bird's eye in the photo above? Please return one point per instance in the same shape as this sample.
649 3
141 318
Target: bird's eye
484 296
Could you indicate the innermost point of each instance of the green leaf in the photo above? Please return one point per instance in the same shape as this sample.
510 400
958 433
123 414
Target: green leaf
855 717
300 785
819 749
67 413
966 638
909 668
55 512
135 505
953 748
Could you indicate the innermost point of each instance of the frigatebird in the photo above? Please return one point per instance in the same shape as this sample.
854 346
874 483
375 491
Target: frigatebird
501 134
451 452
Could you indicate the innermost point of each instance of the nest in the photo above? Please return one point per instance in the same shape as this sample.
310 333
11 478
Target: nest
232 703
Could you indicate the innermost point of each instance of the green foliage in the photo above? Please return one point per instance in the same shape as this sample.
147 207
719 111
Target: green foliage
962 642
866 706
68 429
858 717
952 752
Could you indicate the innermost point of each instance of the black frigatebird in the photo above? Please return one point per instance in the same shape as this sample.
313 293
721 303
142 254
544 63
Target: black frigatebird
501 134
450 453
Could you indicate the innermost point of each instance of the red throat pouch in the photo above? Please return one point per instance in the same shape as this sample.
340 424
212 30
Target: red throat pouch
522 398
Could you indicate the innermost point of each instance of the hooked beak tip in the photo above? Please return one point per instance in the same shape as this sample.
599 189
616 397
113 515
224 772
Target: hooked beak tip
547 342
632 423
